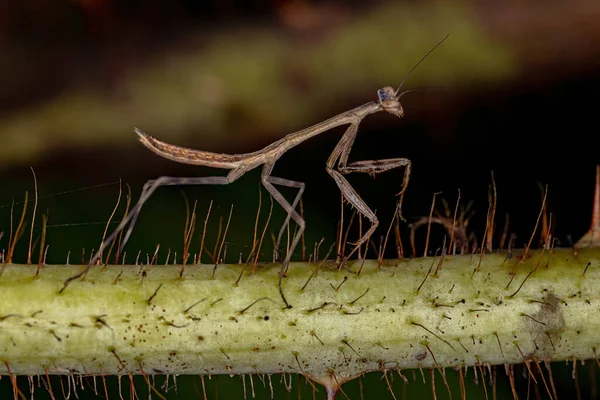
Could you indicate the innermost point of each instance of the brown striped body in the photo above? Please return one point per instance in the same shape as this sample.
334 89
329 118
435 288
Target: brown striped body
189 156
271 153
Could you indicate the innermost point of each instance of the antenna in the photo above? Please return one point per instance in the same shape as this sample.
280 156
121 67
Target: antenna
420 89
419 62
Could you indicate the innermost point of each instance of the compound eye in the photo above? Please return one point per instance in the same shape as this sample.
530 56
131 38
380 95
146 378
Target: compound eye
386 93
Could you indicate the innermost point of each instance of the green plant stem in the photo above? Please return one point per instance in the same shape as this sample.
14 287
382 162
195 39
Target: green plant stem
125 319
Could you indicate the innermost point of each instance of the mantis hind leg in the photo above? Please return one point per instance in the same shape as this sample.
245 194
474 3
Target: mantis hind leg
147 191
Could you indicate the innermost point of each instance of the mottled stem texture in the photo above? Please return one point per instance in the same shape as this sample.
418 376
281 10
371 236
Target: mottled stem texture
450 311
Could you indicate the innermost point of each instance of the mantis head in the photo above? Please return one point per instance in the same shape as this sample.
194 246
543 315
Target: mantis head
390 101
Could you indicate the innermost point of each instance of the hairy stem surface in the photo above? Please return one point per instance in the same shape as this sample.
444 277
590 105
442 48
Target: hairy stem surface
129 319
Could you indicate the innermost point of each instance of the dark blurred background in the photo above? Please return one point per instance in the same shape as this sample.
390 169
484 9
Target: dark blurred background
521 83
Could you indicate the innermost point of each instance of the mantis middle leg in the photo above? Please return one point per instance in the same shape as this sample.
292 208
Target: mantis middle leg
268 181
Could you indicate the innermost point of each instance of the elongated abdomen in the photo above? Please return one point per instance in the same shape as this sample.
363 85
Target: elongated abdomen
188 156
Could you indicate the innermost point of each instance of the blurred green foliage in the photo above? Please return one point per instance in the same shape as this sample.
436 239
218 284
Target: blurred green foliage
226 87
